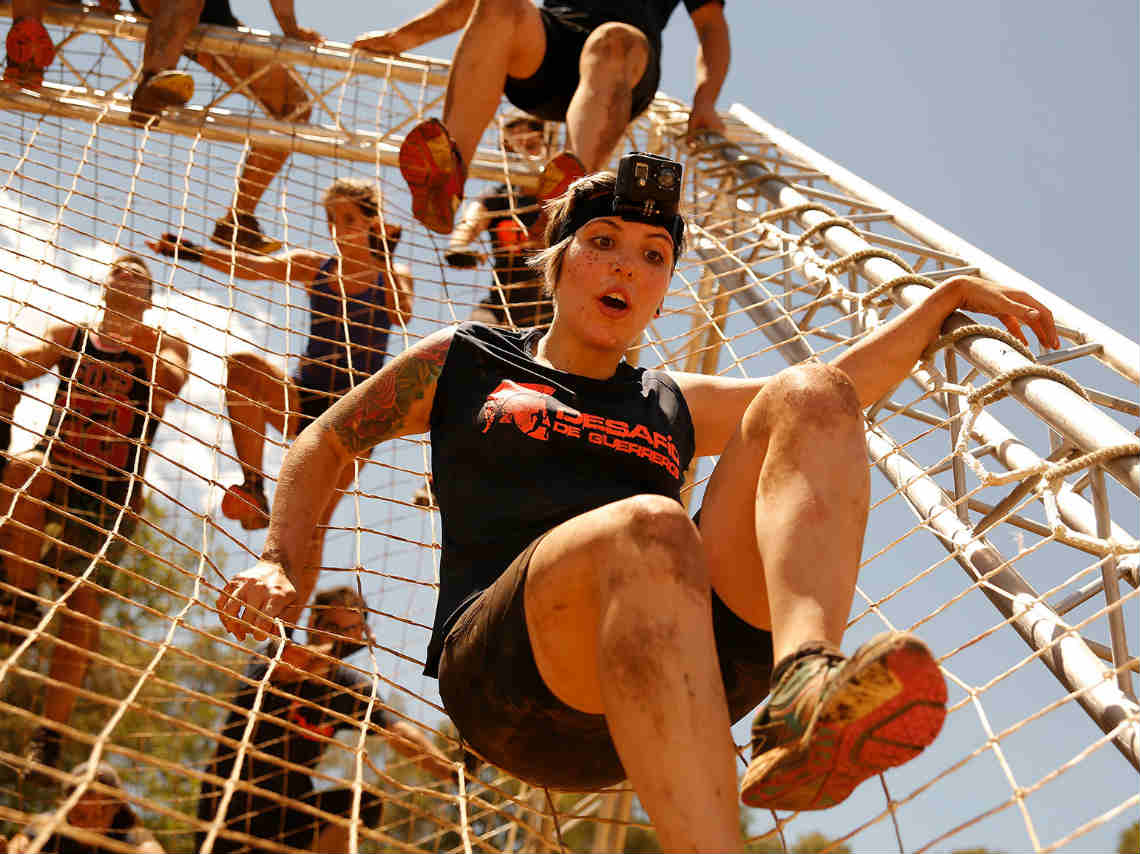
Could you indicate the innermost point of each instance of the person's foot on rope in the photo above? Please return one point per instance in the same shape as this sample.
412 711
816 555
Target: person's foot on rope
425 495
832 722
562 170
243 231
42 749
30 52
158 90
246 503
430 163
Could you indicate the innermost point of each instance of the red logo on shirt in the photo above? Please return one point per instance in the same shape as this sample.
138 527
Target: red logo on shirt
525 405
316 730
532 409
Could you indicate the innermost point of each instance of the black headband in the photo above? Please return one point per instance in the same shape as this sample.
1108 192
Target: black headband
604 204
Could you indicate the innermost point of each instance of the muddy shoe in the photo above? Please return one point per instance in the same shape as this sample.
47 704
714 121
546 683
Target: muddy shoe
42 749
831 722
30 51
157 91
246 503
562 170
430 163
243 231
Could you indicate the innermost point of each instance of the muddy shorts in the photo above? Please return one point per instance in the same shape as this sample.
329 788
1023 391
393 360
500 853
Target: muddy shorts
546 94
491 688
87 510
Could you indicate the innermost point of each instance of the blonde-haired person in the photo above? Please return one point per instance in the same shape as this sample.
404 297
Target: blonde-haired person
587 629
82 484
356 296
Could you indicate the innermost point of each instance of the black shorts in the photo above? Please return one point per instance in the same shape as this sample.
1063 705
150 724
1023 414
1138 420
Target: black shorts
214 12
312 403
546 94
280 824
496 697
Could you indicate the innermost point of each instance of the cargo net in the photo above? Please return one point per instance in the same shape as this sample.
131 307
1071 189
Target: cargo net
991 532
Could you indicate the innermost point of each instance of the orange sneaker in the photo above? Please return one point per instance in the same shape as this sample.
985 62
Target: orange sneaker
247 504
430 163
562 170
30 51
833 722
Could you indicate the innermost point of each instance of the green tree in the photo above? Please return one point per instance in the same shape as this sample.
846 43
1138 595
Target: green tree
1129 842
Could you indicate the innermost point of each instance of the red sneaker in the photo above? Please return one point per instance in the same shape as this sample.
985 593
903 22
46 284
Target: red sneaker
562 170
833 722
430 163
247 505
30 51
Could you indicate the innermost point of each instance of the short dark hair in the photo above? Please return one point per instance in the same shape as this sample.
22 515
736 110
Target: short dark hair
338 597
560 209
363 192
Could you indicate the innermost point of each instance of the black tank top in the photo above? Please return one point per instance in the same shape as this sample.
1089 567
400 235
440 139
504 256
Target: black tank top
324 367
518 448
100 409
507 234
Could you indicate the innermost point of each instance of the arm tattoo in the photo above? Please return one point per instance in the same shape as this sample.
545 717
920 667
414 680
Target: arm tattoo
387 398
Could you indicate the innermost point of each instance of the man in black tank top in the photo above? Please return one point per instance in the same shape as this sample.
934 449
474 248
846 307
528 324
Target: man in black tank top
587 629
82 485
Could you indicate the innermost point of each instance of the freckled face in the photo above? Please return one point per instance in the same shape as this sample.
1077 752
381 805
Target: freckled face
614 277
348 226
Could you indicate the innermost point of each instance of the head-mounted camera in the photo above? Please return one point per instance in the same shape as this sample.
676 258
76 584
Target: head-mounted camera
648 190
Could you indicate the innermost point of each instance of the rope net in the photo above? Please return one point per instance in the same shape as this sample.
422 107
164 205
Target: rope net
991 531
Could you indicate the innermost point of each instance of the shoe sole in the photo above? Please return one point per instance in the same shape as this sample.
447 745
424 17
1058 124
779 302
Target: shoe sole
557 176
237 506
421 153
881 718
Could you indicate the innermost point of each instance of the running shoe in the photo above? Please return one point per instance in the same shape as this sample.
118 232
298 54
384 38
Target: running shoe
562 170
833 722
157 91
30 51
243 231
247 504
430 163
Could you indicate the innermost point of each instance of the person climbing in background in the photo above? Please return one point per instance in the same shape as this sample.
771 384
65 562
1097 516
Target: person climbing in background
593 65
302 696
356 295
83 483
587 630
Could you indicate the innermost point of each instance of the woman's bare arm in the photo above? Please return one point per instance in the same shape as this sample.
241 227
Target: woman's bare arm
294 265
395 401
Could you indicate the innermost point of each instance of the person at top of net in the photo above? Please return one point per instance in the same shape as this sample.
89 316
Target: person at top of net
509 216
102 810
587 629
593 64
275 86
356 295
71 504
313 697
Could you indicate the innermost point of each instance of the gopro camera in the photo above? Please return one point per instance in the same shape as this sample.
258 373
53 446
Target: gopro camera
648 187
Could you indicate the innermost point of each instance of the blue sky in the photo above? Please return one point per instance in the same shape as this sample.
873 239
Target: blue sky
1013 124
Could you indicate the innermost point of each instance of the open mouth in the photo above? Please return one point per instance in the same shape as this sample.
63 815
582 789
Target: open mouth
615 301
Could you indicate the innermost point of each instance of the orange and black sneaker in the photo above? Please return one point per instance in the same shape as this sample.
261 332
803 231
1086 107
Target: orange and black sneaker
245 502
30 51
430 163
832 722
